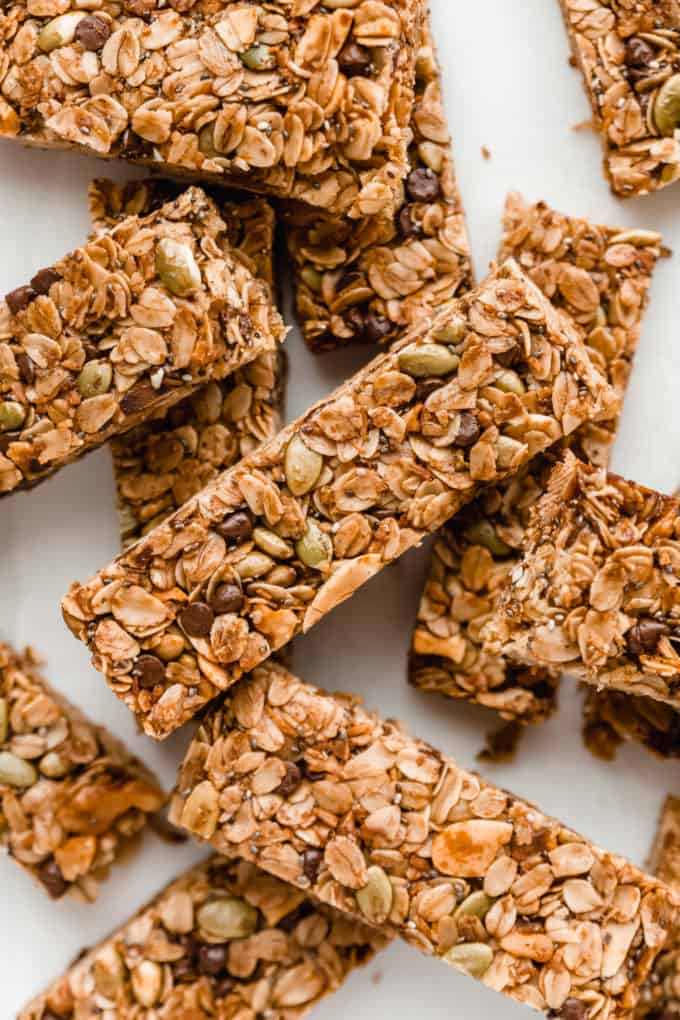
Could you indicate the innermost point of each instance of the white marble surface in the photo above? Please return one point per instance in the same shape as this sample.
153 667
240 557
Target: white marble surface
508 87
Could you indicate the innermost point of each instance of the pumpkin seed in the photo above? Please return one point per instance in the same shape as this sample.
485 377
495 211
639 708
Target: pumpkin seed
315 548
424 360
483 533
95 378
667 106
473 958
176 266
258 58
375 898
227 918
477 904
302 467
269 542
12 415
313 278
60 31
510 382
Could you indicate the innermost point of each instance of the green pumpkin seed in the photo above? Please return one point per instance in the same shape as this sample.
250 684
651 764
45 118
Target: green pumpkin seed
667 106
473 958
15 771
176 266
302 467
425 360
313 278
227 918
206 140
483 533
477 904
510 382
12 415
315 548
95 378
59 31
258 58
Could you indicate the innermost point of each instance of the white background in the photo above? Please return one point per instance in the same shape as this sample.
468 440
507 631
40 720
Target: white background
508 87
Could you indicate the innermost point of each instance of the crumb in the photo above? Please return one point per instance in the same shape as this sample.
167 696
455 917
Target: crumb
486 153
573 62
502 744
376 977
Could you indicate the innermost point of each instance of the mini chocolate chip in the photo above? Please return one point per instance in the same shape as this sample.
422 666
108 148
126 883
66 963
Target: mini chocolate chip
138 397
90 350
423 185
227 598
212 959
639 53
425 387
290 781
223 988
26 368
407 228
92 32
468 430
51 877
508 358
377 327
19 299
311 863
354 59
197 619
149 670
573 1009
644 636
356 321
236 527
43 280
184 970
292 920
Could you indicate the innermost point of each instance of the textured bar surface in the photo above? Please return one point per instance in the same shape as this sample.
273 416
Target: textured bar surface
224 941
159 465
610 718
365 281
327 795
629 55
596 592
600 276
72 798
292 530
121 329
253 95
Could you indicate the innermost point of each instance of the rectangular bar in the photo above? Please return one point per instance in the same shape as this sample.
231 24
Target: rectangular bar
72 798
264 97
629 56
367 280
121 329
159 465
600 276
596 592
349 807
610 718
223 940
291 531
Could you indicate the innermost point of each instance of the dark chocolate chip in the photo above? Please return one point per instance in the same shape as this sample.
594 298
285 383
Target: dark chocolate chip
212 959
236 527
19 299
51 877
425 387
405 223
43 280
423 185
92 32
639 53
354 59
197 619
138 397
149 670
377 327
26 368
290 781
468 430
184 970
227 598
311 863
356 321
644 636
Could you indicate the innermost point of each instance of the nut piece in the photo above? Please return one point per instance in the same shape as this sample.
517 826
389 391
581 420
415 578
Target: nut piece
95 378
425 360
467 849
228 918
15 771
302 466
473 958
60 31
375 899
177 268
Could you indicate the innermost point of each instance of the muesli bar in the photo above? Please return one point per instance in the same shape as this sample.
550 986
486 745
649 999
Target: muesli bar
596 591
122 329
276 542
629 54
72 798
350 808
223 940
600 276
160 464
365 281
294 100
610 718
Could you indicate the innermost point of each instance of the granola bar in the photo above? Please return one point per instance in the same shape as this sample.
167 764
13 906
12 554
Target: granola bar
328 796
364 281
121 329
629 55
600 276
596 591
72 798
159 465
223 940
259 96
276 542
610 718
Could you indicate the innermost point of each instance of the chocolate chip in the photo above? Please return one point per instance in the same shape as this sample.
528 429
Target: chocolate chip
354 59
573 1009
19 299
425 387
508 358
92 32
236 527
26 368
212 959
639 53
227 598
423 185
223 988
43 280
644 636
290 781
356 321
197 619
137 398
468 430
311 864
149 671
51 877
405 223
184 970
376 327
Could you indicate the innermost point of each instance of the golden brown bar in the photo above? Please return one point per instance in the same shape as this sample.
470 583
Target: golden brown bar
72 798
349 807
291 531
121 329
224 940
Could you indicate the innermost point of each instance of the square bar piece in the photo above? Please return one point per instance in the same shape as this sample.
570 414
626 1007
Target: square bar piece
600 276
328 796
276 542
597 591
223 941
121 329
159 465
267 97
365 281
72 798
629 55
